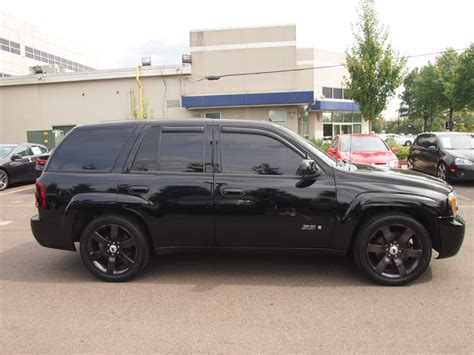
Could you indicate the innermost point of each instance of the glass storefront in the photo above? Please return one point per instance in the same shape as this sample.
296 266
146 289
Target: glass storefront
335 123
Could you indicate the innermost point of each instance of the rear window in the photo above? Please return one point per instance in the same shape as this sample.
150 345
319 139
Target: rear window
92 150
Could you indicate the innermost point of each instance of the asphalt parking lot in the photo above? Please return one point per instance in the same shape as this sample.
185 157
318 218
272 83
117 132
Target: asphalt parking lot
225 303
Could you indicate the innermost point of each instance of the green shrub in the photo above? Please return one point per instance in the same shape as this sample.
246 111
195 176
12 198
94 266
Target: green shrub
324 146
402 151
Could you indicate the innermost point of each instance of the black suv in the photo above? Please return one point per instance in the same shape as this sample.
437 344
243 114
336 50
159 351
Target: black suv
123 190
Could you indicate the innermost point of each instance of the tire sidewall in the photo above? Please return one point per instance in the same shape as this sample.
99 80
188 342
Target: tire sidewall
366 232
136 232
8 180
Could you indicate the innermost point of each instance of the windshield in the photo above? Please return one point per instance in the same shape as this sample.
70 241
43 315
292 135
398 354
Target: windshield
457 142
362 144
5 150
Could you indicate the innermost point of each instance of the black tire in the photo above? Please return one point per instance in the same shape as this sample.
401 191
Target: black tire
114 248
392 249
4 180
442 171
407 144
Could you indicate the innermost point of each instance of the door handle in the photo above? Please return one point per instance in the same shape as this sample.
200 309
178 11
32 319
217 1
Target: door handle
232 192
138 188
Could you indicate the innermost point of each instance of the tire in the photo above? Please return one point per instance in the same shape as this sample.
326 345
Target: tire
410 165
407 144
442 171
392 249
114 248
4 180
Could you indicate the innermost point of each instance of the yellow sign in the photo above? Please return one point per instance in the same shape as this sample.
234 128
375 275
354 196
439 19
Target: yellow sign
45 141
45 133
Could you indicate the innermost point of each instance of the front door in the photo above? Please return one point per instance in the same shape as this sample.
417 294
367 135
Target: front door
22 167
257 201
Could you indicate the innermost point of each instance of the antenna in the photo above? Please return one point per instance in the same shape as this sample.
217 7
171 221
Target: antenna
352 132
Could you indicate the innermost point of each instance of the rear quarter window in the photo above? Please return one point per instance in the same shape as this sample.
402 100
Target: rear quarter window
90 150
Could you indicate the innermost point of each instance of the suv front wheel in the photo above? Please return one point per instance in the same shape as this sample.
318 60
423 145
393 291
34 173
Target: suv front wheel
114 248
393 249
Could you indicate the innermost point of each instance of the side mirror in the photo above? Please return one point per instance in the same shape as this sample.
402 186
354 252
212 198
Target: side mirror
331 151
394 150
15 157
308 169
433 148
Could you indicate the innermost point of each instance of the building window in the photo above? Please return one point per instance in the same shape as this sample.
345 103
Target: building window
327 93
337 93
212 115
335 123
49 58
9 46
278 117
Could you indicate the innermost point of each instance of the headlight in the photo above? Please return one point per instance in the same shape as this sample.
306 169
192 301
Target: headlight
461 161
393 163
453 203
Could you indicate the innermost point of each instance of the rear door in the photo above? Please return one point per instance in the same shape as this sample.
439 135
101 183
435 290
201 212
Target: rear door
171 169
257 201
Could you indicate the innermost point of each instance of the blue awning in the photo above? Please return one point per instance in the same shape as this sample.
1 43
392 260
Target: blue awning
326 105
259 99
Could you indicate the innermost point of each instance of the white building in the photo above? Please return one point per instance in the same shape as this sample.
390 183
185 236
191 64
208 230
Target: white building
23 45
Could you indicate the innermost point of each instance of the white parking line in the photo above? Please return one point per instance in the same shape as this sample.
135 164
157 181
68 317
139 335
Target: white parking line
462 197
19 190
4 223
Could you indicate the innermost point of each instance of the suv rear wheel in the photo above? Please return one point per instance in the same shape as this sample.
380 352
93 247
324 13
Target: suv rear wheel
114 248
392 249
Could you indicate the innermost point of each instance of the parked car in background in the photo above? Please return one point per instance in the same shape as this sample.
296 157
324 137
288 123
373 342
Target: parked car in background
363 149
447 155
398 138
17 162
40 163
126 189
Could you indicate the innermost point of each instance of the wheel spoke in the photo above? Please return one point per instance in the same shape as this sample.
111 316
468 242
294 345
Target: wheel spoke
113 232
412 253
387 234
111 265
406 236
97 237
400 266
125 259
374 248
97 254
382 264
127 243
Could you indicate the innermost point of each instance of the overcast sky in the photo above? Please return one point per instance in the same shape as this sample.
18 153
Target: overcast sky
121 32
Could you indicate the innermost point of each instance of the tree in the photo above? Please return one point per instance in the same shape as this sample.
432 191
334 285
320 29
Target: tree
427 95
464 81
375 69
447 65
406 105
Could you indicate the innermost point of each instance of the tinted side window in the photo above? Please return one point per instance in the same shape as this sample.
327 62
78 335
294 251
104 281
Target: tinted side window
421 141
147 155
256 154
90 150
182 151
431 140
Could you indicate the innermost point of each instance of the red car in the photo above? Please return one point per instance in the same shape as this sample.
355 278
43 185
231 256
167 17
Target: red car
364 149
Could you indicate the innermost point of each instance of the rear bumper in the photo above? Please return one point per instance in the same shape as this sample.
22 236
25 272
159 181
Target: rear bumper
53 230
451 236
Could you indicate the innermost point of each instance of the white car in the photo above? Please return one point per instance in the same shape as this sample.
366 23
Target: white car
398 138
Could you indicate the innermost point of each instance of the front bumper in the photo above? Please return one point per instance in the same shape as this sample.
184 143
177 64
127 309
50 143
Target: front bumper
461 173
451 235
53 230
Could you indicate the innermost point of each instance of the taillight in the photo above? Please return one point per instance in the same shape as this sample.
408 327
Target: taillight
40 161
40 194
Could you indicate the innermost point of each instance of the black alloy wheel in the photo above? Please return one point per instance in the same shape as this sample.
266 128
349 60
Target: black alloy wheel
114 248
4 180
410 165
393 249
